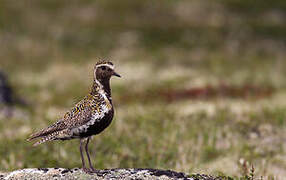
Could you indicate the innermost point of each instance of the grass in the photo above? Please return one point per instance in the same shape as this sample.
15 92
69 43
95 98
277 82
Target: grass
48 49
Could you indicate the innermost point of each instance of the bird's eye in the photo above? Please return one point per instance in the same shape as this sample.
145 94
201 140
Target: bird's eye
103 67
109 69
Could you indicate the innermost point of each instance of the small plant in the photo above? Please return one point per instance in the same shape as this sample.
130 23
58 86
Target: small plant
248 174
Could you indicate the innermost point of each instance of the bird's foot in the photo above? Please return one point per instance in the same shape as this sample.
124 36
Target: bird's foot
97 172
92 171
87 170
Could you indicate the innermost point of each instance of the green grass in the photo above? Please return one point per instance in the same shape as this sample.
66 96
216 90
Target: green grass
49 48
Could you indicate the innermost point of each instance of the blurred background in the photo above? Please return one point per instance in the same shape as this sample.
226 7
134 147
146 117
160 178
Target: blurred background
203 87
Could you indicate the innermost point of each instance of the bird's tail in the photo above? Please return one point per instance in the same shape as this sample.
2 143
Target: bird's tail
46 131
36 135
44 139
63 134
50 137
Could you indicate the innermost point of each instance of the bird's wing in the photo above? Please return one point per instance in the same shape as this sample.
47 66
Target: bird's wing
86 112
78 115
90 108
57 126
66 121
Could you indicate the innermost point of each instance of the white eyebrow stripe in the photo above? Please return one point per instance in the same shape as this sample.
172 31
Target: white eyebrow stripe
108 65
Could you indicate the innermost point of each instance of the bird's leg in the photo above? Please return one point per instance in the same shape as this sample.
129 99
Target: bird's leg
88 157
82 157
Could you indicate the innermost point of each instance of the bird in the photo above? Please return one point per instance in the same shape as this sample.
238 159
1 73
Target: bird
90 116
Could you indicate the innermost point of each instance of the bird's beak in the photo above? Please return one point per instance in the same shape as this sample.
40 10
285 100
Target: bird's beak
116 74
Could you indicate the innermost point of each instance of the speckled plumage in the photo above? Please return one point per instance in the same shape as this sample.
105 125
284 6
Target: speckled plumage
88 117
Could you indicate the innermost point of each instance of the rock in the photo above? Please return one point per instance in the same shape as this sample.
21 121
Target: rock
61 173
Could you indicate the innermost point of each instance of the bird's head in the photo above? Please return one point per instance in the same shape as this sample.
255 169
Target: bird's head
103 70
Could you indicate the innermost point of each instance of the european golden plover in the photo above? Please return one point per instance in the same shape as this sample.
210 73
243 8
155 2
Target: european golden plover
89 117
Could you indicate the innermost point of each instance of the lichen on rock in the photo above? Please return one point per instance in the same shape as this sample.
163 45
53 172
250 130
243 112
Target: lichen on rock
61 173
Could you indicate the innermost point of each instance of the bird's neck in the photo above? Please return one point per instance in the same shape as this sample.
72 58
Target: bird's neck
101 85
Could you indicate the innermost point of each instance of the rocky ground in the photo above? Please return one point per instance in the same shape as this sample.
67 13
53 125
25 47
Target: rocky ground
61 173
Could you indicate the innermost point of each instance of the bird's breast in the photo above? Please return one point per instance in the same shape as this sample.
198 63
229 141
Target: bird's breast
96 125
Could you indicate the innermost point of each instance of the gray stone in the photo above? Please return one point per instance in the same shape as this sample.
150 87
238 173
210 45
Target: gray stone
70 174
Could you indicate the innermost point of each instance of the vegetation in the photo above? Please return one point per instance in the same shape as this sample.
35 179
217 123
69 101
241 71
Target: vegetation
233 50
